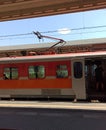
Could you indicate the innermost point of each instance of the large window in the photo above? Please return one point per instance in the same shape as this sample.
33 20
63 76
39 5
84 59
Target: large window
61 71
11 73
78 71
36 72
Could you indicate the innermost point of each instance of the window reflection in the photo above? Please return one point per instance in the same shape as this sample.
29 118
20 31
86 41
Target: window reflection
36 72
78 70
61 71
10 73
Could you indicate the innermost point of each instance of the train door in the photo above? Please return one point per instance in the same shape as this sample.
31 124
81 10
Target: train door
91 65
78 78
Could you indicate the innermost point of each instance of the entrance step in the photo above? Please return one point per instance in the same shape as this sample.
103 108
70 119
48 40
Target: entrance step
97 96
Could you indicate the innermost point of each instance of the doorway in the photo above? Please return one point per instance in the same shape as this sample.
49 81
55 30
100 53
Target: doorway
90 66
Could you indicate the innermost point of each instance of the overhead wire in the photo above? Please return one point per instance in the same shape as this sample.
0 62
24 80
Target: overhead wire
25 35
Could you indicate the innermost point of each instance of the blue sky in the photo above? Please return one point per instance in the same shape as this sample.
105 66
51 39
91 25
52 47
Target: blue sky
83 25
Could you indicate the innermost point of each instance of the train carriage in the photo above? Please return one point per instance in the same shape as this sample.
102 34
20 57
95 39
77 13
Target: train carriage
49 76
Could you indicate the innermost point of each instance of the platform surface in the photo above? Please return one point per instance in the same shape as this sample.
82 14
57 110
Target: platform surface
54 105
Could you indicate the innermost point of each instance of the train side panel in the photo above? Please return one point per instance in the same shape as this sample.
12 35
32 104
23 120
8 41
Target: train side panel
50 85
35 84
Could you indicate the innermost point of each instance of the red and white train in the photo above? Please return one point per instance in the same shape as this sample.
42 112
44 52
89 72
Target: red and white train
69 75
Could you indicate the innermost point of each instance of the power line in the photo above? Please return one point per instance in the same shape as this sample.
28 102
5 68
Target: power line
18 36
75 29
14 35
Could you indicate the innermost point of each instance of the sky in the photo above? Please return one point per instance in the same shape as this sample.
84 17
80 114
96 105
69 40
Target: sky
80 25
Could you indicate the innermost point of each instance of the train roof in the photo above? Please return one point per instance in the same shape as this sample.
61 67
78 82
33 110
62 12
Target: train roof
68 47
52 57
46 45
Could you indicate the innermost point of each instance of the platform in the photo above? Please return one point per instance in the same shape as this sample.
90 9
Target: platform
54 105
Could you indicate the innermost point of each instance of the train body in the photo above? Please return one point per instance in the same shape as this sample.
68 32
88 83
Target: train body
49 76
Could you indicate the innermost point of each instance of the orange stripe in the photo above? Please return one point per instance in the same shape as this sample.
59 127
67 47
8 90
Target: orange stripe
39 83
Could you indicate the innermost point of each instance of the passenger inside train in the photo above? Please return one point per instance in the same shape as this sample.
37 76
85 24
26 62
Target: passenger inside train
5 76
95 74
99 75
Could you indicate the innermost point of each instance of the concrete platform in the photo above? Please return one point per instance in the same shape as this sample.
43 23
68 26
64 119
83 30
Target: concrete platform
54 105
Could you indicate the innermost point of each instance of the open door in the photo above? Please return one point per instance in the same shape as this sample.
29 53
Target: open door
91 65
78 78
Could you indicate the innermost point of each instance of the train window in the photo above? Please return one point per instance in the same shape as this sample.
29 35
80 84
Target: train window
78 70
11 73
36 72
61 71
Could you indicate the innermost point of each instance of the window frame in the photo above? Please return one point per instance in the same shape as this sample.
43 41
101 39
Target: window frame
59 67
77 71
36 72
11 72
